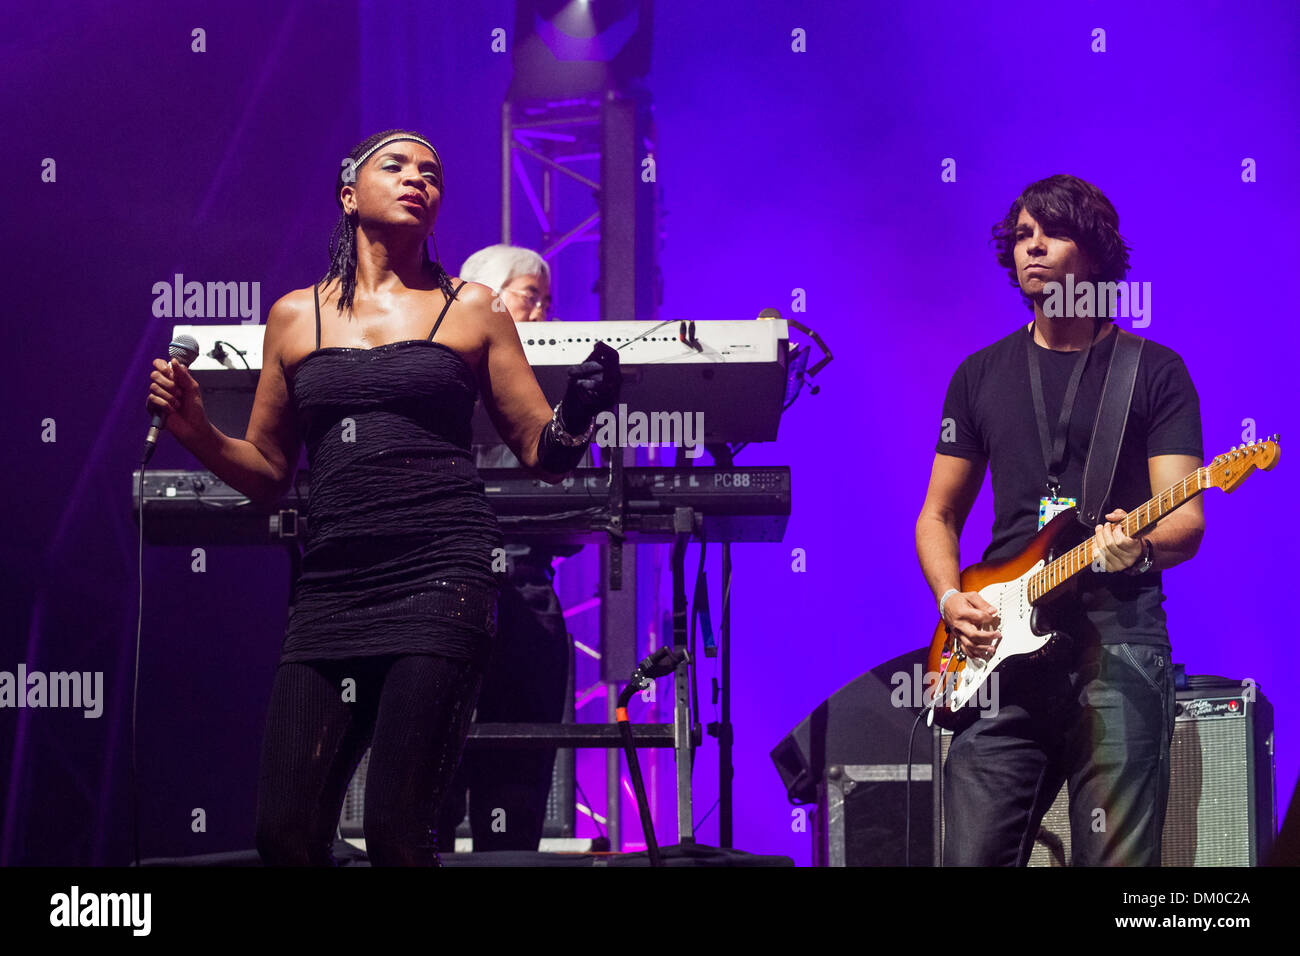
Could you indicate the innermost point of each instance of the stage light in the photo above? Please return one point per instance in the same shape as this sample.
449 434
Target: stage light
567 48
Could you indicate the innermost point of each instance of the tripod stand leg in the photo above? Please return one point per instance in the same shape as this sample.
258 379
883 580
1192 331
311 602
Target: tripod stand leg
638 788
683 752
683 749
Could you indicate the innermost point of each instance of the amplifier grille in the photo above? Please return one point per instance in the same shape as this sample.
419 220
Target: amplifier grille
1209 795
1212 818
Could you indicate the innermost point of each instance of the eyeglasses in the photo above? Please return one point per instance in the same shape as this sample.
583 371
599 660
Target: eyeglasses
530 299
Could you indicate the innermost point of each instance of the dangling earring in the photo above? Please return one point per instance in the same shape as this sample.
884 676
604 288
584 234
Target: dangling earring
443 276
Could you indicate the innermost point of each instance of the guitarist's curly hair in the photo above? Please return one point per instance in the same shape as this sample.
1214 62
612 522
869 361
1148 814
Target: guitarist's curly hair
1071 207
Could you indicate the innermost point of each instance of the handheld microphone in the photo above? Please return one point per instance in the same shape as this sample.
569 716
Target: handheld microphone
183 349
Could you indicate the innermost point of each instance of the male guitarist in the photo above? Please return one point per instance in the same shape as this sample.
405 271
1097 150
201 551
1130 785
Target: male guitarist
1096 711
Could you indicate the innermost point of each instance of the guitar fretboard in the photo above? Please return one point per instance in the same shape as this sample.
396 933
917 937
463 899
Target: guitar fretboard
1076 559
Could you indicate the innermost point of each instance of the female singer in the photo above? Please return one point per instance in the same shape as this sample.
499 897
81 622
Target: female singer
377 367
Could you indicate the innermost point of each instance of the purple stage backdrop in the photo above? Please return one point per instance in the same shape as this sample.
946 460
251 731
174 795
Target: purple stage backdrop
802 152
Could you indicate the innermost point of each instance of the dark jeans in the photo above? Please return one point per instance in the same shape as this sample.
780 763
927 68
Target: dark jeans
413 711
1101 720
525 682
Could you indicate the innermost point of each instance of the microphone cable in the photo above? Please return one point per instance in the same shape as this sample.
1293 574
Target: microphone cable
186 349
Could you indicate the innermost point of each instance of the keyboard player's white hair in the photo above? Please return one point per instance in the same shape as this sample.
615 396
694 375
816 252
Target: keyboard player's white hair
496 265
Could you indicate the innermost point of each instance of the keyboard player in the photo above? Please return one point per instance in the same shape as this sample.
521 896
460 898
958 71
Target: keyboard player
528 676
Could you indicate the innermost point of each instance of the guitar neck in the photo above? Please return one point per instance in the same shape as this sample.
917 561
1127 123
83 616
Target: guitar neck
1076 559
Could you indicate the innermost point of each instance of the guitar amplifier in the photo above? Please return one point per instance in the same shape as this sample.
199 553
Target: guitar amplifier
1222 805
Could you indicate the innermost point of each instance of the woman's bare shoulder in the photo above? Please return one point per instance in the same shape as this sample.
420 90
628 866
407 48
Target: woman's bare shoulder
482 309
472 294
297 300
291 321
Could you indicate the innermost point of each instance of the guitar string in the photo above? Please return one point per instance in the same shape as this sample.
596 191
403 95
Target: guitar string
1081 551
1074 560
1080 556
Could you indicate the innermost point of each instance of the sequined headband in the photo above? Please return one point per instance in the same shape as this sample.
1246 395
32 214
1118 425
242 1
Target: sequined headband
360 161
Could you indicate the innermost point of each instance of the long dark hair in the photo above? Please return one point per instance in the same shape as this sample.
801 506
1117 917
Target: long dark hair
343 241
1071 207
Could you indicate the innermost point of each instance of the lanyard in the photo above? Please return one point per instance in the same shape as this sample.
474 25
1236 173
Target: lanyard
1054 451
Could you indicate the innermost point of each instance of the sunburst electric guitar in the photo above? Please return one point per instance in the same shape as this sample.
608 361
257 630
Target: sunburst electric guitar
1022 585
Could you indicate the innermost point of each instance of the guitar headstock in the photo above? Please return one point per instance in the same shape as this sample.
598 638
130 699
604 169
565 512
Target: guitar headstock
1230 469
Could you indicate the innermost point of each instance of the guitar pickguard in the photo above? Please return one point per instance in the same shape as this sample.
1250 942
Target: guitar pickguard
1016 614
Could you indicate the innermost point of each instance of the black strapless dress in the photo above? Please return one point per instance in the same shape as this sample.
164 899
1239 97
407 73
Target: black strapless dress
401 539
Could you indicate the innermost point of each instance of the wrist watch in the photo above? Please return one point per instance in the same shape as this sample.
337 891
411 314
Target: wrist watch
1144 563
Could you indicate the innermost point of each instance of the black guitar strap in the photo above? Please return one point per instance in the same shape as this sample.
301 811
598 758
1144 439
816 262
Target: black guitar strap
1108 429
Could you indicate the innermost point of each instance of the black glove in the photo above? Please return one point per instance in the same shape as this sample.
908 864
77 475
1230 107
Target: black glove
593 388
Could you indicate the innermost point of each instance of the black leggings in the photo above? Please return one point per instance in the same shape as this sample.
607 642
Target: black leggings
413 711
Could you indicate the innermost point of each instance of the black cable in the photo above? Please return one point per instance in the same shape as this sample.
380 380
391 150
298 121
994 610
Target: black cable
218 353
244 503
726 601
595 511
578 783
695 692
707 814
645 333
907 802
936 784
812 372
135 684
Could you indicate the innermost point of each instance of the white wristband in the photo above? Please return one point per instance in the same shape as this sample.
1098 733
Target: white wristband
946 594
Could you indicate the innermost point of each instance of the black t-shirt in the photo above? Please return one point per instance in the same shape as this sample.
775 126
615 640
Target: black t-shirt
989 416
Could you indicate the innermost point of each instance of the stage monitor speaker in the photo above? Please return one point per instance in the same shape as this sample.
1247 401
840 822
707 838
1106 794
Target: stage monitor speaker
850 757
860 724
1222 807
